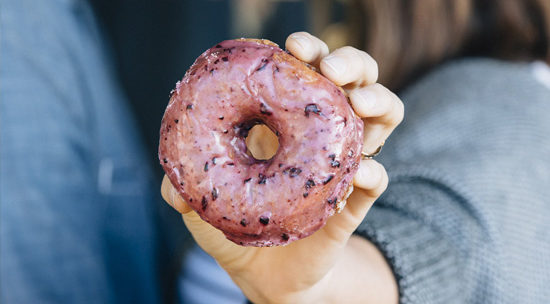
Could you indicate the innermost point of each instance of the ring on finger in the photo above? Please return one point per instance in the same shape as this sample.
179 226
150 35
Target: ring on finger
373 154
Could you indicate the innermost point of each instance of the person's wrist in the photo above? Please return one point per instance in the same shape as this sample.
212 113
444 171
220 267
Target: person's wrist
316 294
361 275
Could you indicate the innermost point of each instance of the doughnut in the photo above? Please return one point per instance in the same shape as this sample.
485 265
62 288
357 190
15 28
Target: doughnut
232 87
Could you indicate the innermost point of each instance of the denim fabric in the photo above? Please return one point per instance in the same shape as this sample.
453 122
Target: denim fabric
75 197
204 281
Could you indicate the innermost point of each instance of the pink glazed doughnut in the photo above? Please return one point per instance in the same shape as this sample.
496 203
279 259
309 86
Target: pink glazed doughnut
229 89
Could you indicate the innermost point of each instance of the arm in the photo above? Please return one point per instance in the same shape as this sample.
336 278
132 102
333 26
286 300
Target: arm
362 267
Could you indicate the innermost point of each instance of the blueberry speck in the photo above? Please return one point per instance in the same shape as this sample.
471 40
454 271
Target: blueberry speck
189 107
213 160
225 59
220 118
262 179
181 184
295 172
225 131
216 62
305 194
335 164
230 50
165 160
264 220
225 218
247 180
205 166
329 178
292 171
244 222
230 164
280 165
311 108
309 183
172 93
176 120
204 203
332 202
285 237
350 153
332 156
214 194
262 66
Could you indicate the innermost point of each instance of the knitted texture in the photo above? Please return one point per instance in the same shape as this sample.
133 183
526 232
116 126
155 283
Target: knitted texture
466 216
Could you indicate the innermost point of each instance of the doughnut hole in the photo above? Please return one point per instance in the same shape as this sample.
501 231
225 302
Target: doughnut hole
261 142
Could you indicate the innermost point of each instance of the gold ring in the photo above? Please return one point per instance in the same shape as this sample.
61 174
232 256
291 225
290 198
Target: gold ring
373 154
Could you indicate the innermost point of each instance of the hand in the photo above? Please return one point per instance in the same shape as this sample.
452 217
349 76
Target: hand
330 265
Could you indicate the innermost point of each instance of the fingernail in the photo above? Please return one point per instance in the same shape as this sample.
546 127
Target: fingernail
336 64
302 41
366 99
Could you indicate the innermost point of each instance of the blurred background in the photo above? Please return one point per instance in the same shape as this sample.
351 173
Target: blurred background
155 41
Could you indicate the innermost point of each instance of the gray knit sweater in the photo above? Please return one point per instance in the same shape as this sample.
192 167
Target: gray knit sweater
466 217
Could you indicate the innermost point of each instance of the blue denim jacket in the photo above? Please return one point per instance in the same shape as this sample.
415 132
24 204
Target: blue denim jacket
76 220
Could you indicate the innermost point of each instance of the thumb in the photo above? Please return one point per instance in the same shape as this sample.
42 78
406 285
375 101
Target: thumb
207 237
171 196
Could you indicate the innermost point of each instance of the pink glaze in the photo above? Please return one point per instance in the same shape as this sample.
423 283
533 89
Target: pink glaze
230 88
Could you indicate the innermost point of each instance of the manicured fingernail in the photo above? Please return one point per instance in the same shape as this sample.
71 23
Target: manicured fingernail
302 41
363 101
336 64
368 98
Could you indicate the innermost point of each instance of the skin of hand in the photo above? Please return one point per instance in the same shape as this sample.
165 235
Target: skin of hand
330 266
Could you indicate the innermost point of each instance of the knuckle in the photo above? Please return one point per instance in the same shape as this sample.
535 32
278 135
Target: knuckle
395 112
382 182
348 49
398 110
370 67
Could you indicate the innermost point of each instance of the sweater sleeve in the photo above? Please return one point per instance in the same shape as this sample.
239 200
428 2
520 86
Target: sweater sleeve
428 231
465 215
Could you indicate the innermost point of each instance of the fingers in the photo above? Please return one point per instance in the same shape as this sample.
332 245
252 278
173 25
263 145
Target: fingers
171 196
209 238
381 110
346 66
375 100
370 182
306 47
371 178
349 67
228 254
